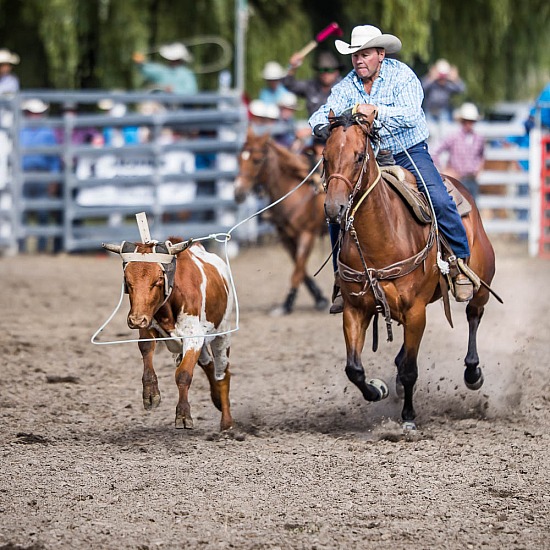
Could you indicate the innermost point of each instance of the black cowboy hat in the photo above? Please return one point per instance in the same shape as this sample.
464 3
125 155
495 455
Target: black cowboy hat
327 60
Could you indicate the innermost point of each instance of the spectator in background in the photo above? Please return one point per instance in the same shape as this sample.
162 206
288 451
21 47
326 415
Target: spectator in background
117 136
262 116
176 77
465 150
39 136
440 85
80 135
286 132
274 89
9 83
315 90
544 97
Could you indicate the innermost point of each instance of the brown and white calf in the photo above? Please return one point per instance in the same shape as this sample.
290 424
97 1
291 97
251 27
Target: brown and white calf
180 290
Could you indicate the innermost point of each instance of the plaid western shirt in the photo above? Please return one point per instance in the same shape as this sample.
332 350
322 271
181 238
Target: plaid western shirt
466 152
397 94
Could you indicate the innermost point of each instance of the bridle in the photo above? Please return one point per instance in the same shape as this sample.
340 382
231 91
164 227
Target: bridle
360 120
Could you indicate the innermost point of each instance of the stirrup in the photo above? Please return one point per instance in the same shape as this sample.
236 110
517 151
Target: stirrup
463 288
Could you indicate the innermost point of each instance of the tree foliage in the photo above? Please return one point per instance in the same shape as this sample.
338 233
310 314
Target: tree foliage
501 47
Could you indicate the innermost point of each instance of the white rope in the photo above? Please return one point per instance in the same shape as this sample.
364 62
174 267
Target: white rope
218 238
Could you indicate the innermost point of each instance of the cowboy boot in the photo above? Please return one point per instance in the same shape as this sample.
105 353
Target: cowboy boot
463 288
337 300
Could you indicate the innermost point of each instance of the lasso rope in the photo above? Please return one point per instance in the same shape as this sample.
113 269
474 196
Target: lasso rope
220 238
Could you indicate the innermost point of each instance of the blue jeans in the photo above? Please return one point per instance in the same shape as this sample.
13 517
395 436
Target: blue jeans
447 215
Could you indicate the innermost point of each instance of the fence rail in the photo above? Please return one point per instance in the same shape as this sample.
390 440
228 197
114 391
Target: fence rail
185 184
179 169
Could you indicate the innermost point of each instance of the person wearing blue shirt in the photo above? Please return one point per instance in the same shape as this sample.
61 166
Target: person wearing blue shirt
176 77
39 136
274 90
392 91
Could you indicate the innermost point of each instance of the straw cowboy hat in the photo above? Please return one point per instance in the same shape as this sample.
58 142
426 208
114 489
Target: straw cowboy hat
8 57
261 109
175 52
35 106
273 71
289 101
367 36
467 111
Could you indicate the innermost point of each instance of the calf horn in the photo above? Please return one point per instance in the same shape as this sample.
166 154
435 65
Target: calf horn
112 247
179 247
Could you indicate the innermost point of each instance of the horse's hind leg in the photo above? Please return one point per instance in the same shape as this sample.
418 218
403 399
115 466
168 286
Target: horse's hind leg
473 375
321 303
300 251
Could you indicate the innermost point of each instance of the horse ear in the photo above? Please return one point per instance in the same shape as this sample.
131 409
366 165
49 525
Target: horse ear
331 113
250 132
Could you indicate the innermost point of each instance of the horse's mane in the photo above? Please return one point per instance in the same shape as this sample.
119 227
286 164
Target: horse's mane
295 164
348 119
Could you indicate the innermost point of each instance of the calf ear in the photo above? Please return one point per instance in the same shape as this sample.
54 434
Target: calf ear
178 247
116 248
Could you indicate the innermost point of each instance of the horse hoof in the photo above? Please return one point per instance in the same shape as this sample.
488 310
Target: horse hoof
278 311
381 388
477 384
321 305
409 426
182 423
152 402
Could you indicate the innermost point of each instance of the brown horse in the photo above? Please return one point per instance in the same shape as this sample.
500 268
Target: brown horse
299 218
388 261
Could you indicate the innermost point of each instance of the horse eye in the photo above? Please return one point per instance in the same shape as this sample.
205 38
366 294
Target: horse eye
360 157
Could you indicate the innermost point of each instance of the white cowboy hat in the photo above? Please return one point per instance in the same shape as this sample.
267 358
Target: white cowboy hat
273 71
261 109
175 52
442 67
367 36
288 100
35 106
8 57
467 111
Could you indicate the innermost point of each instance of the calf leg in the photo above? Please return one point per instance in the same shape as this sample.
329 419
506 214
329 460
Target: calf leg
219 377
151 393
184 377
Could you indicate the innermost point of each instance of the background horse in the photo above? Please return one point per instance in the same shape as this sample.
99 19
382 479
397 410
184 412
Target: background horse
299 218
385 249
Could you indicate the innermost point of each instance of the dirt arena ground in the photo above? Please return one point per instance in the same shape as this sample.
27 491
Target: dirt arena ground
310 464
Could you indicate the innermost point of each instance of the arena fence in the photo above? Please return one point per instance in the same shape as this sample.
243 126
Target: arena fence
173 158
176 160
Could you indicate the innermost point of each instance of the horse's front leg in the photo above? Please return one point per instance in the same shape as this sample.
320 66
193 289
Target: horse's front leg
356 323
407 367
151 393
